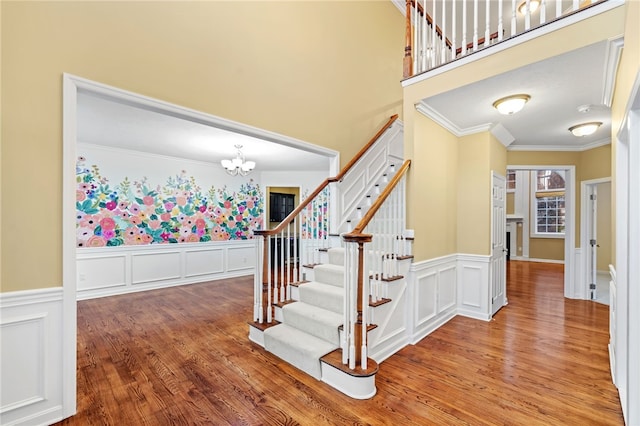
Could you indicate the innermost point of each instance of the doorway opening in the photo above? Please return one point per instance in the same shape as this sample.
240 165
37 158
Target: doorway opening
534 203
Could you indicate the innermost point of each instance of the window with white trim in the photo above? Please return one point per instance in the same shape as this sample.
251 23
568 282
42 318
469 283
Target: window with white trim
549 202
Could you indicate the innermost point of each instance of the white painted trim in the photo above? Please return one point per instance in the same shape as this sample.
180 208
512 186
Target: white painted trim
32 344
94 264
570 281
157 105
583 251
556 148
613 53
69 321
71 86
473 272
518 39
425 307
431 113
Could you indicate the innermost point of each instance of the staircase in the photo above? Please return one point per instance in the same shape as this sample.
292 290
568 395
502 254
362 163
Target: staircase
316 309
310 326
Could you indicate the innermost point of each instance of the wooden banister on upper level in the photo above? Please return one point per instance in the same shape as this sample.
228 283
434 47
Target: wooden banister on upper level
457 28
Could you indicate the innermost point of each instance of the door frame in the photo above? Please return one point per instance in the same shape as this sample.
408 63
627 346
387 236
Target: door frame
586 222
571 288
71 86
626 371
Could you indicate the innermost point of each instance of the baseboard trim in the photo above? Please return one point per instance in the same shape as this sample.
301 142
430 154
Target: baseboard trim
534 259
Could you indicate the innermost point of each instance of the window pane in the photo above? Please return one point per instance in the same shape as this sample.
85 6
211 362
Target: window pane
550 214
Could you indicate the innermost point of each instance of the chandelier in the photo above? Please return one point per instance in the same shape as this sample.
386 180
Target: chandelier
238 165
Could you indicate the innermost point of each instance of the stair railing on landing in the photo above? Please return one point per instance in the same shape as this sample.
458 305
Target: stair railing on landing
296 241
447 34
383 230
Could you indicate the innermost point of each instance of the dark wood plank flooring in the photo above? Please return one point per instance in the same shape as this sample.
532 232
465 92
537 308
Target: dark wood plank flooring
181 356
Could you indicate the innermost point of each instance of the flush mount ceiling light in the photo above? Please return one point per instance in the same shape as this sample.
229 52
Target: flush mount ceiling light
533 6
238 165
585 129
511 104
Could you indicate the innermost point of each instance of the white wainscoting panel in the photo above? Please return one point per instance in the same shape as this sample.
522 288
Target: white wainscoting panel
432 295
107 271
241 258
473 286
31 363
102 272
155 266
204 262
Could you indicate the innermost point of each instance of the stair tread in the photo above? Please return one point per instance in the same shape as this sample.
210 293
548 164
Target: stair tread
298 348
317 313
314 320
328 273
325 296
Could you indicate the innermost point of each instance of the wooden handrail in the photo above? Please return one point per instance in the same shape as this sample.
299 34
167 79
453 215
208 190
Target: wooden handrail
287 220
480 41
430 22
357 234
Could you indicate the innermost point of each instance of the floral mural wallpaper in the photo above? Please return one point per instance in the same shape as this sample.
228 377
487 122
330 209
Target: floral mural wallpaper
134 213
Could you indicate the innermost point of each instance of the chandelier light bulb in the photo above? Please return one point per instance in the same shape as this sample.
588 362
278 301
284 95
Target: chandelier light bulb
238 165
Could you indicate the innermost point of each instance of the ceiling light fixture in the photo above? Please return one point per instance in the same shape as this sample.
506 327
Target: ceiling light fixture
533 6
238 165
585 129
511 104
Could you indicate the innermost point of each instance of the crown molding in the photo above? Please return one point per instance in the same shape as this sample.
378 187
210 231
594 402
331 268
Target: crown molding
614 50
592 145
431 113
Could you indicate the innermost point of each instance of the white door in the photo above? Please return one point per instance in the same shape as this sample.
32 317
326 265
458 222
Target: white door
498 249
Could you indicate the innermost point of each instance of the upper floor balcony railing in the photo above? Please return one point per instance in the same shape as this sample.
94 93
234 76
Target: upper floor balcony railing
441 31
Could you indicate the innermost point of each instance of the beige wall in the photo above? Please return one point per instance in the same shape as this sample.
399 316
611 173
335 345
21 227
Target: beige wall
546 248
324 72
511 202
432 190
474 190
591 164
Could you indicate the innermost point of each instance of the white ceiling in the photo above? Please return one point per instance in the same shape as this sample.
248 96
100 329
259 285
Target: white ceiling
557 86
111 123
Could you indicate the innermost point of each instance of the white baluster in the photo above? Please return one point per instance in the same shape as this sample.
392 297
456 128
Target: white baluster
443 57
527 15
543 12
558 8
257 283
500 20
433 36
269 254
416 46
475 25
464 29
576 5
453 31
487 28
513 18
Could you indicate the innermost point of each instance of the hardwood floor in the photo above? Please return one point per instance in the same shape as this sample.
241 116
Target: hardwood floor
181 356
